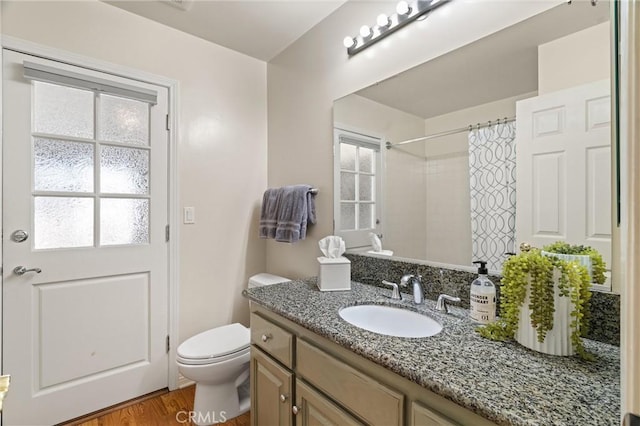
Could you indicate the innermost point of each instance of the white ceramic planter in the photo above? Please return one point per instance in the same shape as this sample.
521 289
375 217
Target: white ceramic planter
558 339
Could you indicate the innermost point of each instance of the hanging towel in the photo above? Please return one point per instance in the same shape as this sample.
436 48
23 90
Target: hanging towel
286 212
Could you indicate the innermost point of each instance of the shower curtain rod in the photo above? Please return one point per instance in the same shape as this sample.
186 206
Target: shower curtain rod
469 128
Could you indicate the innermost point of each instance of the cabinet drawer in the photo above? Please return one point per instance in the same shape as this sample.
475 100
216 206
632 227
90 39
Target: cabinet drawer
372 401
272 339
423 416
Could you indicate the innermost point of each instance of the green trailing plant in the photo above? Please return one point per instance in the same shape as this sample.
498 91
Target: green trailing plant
535 270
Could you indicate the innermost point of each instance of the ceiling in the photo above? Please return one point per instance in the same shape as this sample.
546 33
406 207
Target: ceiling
258 28
502 65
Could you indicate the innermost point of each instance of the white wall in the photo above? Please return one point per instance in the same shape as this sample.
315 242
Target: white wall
576 59
404 174
222 151
305 79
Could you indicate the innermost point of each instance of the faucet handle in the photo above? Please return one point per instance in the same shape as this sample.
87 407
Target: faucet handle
395 293
441 304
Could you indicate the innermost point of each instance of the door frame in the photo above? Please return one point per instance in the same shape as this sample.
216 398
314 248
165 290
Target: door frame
173 86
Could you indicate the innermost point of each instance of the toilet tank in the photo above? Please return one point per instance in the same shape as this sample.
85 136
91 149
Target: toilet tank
260 280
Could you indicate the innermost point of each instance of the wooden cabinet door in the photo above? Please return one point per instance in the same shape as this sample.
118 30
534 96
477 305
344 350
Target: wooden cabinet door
314 409
271 392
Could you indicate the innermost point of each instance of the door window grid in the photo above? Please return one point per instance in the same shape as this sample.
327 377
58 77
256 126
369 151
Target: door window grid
357 187
129 225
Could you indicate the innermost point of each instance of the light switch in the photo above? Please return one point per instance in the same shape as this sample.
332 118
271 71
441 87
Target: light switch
189 215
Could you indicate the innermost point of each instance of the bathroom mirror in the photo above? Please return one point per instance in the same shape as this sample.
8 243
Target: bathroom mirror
420 196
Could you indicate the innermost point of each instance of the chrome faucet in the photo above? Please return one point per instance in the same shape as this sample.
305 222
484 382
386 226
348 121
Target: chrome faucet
415 282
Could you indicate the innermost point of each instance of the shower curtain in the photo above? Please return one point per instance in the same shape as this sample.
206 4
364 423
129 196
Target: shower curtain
492 184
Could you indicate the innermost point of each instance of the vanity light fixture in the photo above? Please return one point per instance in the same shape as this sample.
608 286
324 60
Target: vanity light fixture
405 14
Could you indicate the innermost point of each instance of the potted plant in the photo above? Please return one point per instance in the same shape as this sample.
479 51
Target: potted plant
544 298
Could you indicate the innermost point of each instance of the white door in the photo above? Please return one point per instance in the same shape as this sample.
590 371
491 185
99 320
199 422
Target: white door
563 168
85 181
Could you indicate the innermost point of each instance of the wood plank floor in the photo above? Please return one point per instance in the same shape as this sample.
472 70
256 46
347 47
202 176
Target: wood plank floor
159 409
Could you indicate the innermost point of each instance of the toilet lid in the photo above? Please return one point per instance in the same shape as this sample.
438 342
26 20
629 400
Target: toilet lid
216 342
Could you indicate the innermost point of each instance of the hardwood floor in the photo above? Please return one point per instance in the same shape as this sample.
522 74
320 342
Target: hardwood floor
158 409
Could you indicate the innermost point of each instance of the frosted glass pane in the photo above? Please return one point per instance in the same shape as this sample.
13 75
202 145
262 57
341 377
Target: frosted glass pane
61 110
365 189
124 221
365 159
124 170
123 120
62 222
365 216
62 165
347 216
347 157
347 186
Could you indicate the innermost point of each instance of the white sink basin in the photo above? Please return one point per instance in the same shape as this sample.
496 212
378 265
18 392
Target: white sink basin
390 321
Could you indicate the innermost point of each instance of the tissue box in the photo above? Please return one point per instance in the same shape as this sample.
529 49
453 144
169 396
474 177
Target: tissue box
335 274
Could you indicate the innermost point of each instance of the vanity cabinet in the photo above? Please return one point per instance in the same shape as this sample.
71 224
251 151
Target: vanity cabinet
331 385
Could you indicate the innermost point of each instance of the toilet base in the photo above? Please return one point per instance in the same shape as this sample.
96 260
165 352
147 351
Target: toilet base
218 403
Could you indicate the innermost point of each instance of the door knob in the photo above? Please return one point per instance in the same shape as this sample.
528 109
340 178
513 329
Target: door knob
19 236
21 270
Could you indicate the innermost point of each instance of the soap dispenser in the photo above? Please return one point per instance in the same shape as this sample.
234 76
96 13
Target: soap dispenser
482 296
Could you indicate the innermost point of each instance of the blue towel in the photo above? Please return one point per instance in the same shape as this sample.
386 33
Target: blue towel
286 212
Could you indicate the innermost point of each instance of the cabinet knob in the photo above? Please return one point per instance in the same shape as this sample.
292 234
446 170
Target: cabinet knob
265 337
283 398
295 410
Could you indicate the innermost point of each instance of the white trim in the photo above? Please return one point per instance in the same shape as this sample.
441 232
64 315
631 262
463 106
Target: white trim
1 186
173 86
174 225
183 382
630 206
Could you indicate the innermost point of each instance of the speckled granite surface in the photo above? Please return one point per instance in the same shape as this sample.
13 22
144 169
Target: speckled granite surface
503 382
605 307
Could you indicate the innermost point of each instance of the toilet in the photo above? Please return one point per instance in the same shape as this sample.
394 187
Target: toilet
218 361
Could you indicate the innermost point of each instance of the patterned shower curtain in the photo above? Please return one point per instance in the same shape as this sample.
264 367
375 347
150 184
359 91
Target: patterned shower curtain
492 173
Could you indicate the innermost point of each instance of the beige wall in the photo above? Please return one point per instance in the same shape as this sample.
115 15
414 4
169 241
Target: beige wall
222 141
404 174
576 59
305 79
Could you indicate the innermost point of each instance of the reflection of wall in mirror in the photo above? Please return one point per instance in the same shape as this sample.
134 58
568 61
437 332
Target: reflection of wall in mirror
443 232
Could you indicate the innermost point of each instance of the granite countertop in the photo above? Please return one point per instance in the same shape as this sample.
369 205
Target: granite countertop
503 382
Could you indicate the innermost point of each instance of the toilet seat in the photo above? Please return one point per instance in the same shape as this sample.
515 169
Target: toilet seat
215 345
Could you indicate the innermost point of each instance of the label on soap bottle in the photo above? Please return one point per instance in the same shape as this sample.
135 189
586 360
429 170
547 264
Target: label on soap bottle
483 306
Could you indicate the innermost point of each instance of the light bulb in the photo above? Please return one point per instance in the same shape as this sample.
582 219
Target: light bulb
348 42
365 31
383 20
403 8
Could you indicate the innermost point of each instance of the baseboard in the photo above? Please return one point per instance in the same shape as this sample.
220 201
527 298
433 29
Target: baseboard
183 382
